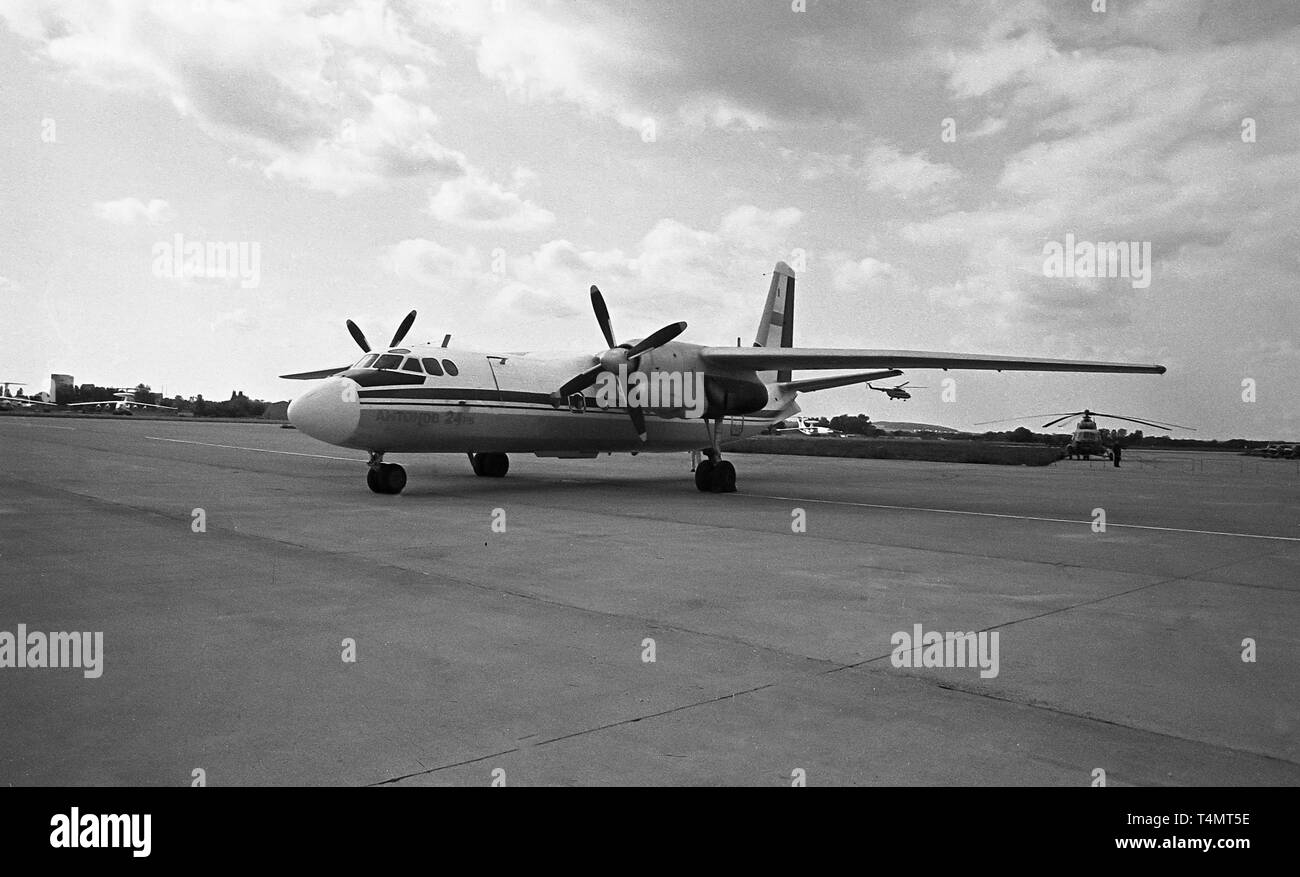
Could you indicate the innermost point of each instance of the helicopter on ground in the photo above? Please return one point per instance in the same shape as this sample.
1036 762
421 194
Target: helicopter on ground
1087 441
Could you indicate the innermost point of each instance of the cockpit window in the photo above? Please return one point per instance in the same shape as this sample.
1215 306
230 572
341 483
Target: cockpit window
412 365
433 367
388 360
366 361
450 366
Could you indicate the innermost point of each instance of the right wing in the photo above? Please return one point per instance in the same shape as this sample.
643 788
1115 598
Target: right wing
786 358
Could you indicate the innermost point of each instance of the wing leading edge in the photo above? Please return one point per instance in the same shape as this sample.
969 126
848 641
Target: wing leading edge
770 358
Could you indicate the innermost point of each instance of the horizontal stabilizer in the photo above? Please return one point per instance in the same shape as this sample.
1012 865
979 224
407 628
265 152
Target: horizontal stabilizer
813 384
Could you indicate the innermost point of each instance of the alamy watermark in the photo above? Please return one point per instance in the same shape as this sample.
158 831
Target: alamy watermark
237 260
661 390
1113 259
948 649
59 649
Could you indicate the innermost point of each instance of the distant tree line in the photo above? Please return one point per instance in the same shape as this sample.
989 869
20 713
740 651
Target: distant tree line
238 405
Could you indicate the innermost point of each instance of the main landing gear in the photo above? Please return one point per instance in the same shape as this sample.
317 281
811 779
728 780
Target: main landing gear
715 475
490 465
384 477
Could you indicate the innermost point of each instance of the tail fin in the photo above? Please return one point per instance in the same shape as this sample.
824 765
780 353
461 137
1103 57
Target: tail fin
776 328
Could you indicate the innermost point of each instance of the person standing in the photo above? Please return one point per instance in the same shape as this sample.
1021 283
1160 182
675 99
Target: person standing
1115 451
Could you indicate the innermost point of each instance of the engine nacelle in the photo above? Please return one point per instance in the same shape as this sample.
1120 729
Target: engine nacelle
733 396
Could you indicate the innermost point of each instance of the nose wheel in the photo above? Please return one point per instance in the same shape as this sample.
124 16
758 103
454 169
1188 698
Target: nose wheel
387 478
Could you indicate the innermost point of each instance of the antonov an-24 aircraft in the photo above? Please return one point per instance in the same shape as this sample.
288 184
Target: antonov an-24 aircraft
648 394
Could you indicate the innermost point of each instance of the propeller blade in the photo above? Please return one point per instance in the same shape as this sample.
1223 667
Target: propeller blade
663 336
358 336
1058 420
402 330
638 421
578 383
602 316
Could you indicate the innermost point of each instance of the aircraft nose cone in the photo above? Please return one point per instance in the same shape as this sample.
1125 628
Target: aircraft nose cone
329 411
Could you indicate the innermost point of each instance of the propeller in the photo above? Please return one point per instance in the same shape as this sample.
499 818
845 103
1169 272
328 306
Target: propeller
616 356
360 337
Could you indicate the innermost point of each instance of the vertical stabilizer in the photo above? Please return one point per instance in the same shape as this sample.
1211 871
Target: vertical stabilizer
776 328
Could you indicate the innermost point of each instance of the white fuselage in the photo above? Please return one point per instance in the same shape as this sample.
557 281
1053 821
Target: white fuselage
503 403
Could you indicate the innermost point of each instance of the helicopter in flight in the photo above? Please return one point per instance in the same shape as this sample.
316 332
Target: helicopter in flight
1086 442
896 391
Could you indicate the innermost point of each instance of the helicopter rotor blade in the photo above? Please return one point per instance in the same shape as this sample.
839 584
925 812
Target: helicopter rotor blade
1026 417
1144 422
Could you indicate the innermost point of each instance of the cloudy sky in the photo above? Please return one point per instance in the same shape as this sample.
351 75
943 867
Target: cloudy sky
486 162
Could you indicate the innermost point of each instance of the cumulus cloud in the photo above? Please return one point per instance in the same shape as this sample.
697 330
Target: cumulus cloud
331 97
882 168
126 211
674 266
889 170
473 202
724 65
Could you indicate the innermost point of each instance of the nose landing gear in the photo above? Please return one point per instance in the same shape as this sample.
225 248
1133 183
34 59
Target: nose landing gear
387 478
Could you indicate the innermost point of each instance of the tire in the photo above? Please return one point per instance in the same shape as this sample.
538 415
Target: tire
723 478
703 476
372 481
492 465
393 477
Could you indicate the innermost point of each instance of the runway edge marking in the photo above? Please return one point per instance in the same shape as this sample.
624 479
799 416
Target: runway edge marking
907 508
158 438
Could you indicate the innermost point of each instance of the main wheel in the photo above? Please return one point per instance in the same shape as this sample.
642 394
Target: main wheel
723 478
388 478
492 465
703 473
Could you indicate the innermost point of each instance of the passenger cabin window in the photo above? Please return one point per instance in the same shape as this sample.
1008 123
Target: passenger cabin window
388 360
366 361
412 365
433 367
450 367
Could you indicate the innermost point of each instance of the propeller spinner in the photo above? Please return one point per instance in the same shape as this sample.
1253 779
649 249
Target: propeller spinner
617 356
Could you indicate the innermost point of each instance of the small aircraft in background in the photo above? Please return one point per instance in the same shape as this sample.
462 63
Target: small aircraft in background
806 426
1086 441
123 403
896 391
9 402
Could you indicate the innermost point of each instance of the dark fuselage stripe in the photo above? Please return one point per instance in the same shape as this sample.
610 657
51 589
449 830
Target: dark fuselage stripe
591 409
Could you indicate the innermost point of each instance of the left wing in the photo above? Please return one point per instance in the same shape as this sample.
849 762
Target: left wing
316 375
773 358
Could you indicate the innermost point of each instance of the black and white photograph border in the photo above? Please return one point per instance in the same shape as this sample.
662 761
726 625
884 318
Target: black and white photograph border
778 393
